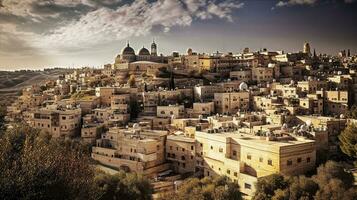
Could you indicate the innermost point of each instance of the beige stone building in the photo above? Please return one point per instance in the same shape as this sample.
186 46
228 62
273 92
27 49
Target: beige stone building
204 109
180 151
59 122
133 150
335 102
231 103
245 158
175 111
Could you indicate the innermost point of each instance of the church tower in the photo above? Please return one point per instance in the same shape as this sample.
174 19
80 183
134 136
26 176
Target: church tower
153 48
307 49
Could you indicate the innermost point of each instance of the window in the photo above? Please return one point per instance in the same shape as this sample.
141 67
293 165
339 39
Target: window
162 112
170 147
260 159
247 186
183 158
270 162
212 147
308 159
183 165
191 147
228 171
249 157
235 174
299 160
289 162
220 150
234 153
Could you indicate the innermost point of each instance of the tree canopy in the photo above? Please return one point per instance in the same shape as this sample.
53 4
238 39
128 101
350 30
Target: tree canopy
330 182
348 141
208 188
35 166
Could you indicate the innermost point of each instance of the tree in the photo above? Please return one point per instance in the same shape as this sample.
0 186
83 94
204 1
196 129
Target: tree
208 188
2 118
123 186
335 190
348 141
332 170
172 80
300 187
35 166
266 186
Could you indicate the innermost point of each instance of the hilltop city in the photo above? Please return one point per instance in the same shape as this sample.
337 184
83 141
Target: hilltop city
244 116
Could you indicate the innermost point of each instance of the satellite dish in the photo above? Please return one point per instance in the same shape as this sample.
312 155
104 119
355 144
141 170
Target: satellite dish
243 86
308 123
136 126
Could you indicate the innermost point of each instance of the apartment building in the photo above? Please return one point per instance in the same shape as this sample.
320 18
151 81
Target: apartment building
176 111
245 158
231 103
59 122
132 150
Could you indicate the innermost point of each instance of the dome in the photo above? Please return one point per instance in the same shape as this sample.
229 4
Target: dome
144 52
128 51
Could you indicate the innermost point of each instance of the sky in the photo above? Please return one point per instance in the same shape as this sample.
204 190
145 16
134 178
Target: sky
37 34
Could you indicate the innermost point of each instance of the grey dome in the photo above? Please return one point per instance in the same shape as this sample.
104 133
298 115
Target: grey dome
144 52
128 51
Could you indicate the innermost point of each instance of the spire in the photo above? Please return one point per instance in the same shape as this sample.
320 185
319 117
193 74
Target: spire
127 43
314 53
348 53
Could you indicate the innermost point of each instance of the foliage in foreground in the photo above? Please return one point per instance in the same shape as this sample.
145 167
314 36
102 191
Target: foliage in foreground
348 141
206 189
35 166
330 182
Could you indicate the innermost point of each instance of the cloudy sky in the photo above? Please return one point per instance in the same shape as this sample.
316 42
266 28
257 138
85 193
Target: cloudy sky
70 33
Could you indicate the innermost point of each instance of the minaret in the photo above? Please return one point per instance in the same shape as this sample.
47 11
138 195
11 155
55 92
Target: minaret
307 49
153 48
315 54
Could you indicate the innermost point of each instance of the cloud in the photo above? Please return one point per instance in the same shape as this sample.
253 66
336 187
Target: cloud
94 22
295 3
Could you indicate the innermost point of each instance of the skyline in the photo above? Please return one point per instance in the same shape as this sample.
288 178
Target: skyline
40 34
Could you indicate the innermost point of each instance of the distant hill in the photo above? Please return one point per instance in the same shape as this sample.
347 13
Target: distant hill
16 80
12 82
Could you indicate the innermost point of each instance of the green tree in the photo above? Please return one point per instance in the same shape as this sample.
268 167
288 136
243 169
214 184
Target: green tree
300 187
35 166
219 188
266 186
348 141
335 190
2 118
333 170
123 186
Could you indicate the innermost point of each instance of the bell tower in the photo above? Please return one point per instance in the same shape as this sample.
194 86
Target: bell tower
153 48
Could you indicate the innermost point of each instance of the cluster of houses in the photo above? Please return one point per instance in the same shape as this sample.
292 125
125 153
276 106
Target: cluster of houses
244 116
